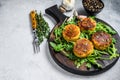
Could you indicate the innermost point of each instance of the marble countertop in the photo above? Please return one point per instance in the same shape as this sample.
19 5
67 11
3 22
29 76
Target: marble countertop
17 59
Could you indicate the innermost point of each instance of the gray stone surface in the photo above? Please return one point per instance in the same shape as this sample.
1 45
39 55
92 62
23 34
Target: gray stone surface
17 59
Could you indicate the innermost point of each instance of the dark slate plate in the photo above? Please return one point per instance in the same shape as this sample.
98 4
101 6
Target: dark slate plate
68 64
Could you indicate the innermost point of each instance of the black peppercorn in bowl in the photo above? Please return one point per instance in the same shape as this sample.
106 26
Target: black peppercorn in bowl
93 7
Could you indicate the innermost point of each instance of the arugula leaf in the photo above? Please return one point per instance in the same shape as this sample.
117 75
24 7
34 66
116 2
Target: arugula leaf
68 46
103 27
58 32
92 17
112 51
72 56
78 65
94 62
110 30
57 47
89 65
114 56
113 40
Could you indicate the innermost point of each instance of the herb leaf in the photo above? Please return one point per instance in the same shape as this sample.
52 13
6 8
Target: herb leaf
42 29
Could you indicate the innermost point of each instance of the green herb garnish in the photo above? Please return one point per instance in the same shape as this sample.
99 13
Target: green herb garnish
42 29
